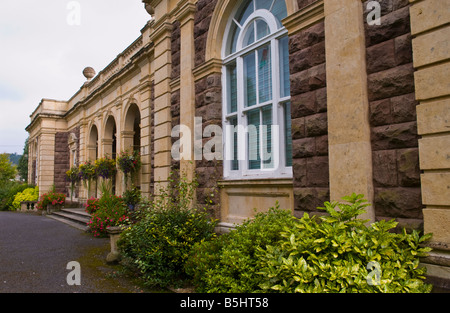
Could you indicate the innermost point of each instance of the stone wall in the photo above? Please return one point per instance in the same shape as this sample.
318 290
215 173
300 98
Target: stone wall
392 105
205 9
62 160
309 118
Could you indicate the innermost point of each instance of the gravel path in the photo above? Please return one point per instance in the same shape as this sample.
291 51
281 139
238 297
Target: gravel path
35 251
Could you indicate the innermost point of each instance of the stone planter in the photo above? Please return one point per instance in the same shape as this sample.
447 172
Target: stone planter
53 208
114 235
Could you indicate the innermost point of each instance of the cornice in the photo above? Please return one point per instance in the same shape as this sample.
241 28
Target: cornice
209 67
305 17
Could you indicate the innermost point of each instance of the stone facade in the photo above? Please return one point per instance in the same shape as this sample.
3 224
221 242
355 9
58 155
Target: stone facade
369 111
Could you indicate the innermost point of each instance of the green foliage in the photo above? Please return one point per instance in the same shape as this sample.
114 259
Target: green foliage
29 194
339 253
158 244
229 263
22 167
276 252
8 191
7 169
110 210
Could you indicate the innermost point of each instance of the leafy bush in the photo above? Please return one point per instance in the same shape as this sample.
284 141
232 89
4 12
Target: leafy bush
8 191
29 194
230 262
158 245
110 211
276 252
339 253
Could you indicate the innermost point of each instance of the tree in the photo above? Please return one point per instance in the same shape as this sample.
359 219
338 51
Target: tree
7 169
22 168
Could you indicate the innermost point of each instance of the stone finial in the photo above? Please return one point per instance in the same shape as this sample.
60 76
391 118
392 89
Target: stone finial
89 73
150 10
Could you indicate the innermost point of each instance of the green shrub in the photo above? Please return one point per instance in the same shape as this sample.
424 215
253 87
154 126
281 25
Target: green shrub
8 191
229 263
276 252
29 194
158 245
339 253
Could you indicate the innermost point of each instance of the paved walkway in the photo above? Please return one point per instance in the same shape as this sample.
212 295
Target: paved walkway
35 250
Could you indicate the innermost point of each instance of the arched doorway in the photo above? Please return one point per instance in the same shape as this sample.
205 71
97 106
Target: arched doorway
132 134
93 144
110 144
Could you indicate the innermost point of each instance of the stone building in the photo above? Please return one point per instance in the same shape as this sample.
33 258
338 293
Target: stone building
350 103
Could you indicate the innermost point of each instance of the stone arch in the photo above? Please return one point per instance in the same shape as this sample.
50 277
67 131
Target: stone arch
219 21
109 141
93 143
131 133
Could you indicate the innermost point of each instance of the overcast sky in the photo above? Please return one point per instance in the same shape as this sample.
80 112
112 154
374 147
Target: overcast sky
43 52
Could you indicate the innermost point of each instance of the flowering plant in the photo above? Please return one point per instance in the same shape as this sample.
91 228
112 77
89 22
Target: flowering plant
128 162
92 205
73 177
105 167
111 211
52 198
86 171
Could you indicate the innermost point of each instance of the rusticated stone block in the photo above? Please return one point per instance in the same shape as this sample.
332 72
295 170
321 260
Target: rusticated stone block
307 37
381 57
392 82
316 125
299 170
303 104
303 148
317 171
308 199
397 136
384 168
308 80
298 128
392 25
408 167
398 202
322 145
307 57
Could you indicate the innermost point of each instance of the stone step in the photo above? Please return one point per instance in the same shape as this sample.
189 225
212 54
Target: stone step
77 218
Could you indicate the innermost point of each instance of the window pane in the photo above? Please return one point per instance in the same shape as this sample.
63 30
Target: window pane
263 4
267 136
254 161
285 83
262 29
287 132
234 144
232 88
264 74
245 13
249 37
250 79
234 33
279 10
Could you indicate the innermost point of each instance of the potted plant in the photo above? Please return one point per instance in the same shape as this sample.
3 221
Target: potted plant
51 202
73 177
132 197
87 173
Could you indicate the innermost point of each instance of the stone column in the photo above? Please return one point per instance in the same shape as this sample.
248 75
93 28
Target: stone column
46 161
350 154
431 51
187 87
160 36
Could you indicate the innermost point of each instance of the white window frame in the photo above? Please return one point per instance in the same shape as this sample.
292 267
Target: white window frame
276 32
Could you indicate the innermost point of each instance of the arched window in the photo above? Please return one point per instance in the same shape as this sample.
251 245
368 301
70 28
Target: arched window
256 93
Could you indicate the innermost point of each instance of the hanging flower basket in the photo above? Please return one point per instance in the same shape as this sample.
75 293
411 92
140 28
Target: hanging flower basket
129 163
105 168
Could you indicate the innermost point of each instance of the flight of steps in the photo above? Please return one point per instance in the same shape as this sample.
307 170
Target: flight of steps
72 216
